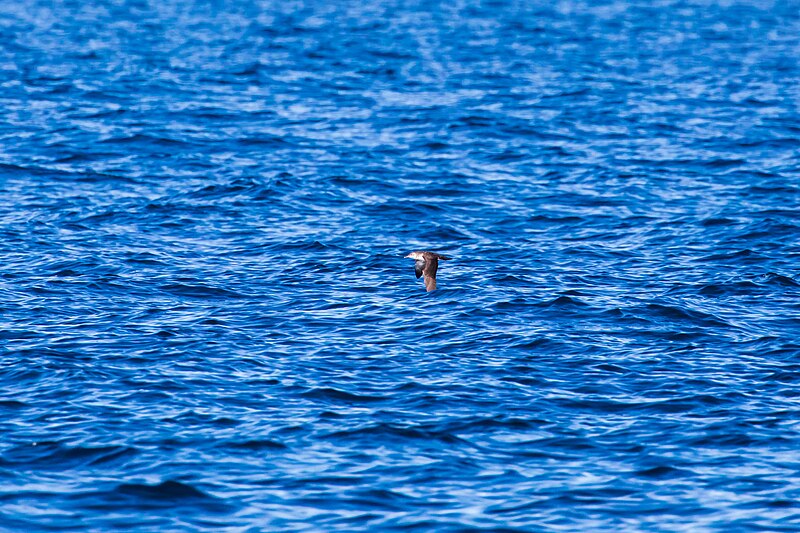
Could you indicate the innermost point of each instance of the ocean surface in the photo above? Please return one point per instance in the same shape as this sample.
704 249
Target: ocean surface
208 323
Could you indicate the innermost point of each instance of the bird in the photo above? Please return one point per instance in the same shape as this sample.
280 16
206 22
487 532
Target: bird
426 264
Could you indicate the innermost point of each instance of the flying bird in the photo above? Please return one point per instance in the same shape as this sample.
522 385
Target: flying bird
426 264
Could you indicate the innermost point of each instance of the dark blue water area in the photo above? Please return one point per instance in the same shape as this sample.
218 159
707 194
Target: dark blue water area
208 322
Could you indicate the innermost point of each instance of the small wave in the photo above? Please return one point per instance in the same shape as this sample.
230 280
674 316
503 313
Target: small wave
54 455
144 258
165 495
264 141
257 445
564 301
336 395
719 289
662 472
676 312
778 279
200 291
395 431
142 139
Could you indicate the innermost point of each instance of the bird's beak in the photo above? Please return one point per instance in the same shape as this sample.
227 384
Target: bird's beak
406 257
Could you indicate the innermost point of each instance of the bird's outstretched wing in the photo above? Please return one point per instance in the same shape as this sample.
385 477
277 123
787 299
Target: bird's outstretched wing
430 283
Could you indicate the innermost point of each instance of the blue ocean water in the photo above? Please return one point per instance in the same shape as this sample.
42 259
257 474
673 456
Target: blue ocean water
208 322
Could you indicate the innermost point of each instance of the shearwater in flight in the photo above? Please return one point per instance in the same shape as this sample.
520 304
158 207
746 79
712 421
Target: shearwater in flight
426 264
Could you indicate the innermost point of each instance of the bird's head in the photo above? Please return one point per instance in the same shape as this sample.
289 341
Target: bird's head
415 255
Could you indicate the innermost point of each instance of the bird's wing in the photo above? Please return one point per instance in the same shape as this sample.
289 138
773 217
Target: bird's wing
419 264
431 266
430 283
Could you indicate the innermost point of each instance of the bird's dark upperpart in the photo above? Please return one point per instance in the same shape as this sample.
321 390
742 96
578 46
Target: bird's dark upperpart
426 264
